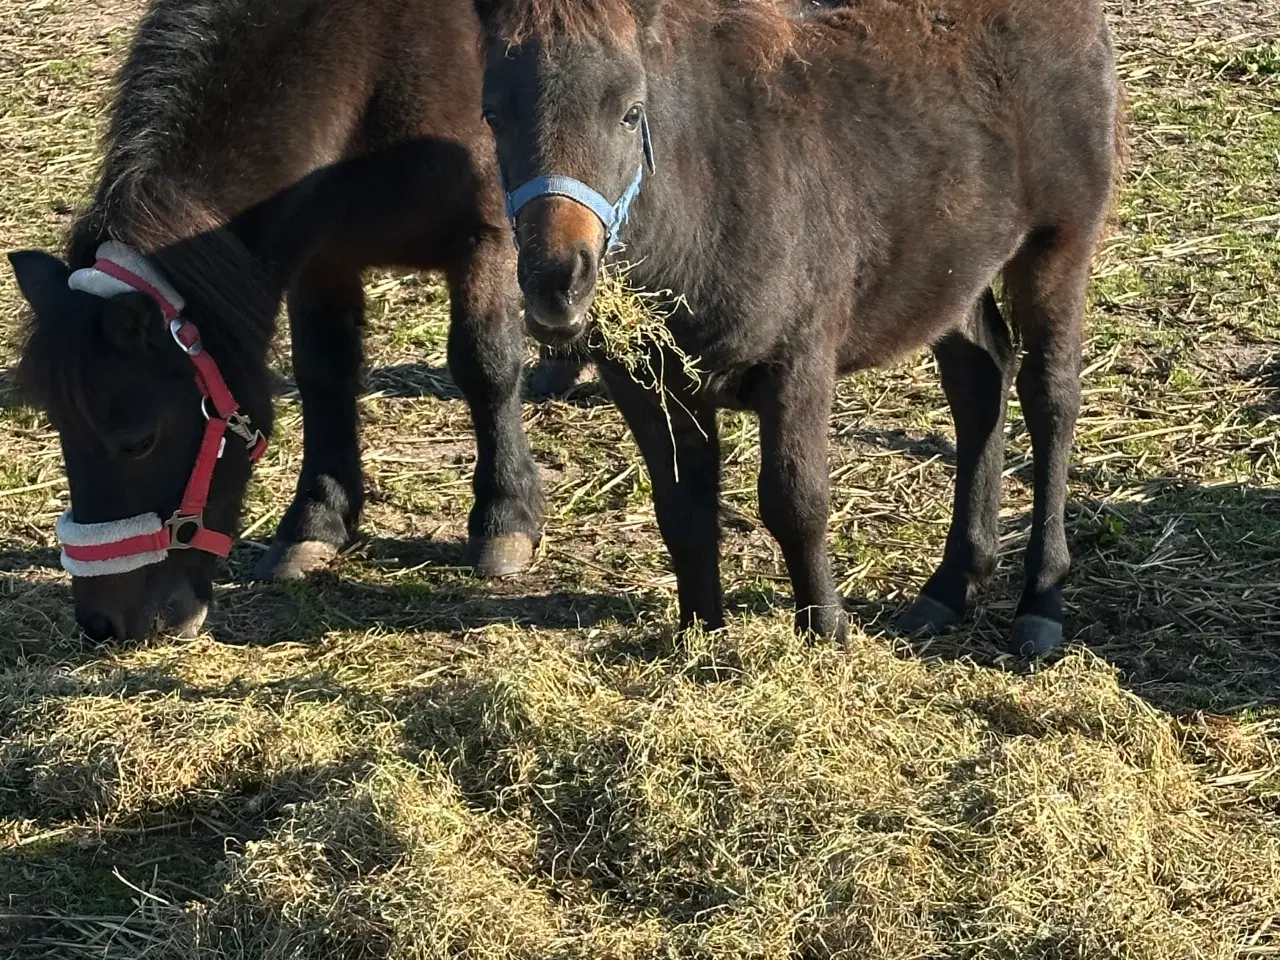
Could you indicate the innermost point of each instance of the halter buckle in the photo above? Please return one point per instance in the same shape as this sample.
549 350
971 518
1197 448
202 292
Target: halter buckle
192 349
242 427
178 524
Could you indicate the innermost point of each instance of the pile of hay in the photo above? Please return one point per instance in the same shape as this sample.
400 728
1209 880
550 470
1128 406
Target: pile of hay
744 796
109 747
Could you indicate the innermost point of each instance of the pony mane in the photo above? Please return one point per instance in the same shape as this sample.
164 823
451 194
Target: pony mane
172 89
165 100
762 31
177 131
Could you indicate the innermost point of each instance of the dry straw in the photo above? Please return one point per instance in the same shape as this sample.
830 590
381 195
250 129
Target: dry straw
732 796
629 324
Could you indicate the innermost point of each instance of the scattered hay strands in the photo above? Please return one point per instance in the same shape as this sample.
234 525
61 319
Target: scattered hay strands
732 796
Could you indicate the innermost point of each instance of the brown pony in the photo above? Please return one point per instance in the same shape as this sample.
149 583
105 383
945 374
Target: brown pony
828 185
260 150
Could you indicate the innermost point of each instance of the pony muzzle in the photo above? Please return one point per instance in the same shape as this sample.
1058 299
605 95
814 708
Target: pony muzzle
561 246
564 228
116 597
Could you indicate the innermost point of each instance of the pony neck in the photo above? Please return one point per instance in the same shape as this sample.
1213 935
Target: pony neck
690 110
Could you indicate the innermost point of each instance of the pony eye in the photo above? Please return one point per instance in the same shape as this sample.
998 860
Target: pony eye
137 447
633 117
491 119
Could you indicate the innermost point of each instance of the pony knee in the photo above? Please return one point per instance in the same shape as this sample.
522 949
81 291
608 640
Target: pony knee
793 507
1046 388
485 353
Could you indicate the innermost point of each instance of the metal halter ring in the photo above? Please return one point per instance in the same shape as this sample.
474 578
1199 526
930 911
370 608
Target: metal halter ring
178 523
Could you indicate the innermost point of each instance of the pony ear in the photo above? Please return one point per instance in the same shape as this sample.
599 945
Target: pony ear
42 279
134 323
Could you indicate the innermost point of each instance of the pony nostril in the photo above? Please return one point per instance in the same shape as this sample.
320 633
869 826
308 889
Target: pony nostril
96 627
184 614
557 292
583 275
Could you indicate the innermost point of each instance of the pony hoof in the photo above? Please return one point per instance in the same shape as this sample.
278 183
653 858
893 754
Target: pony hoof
822 624
1035 636
556 376
502 556
925 617
293 561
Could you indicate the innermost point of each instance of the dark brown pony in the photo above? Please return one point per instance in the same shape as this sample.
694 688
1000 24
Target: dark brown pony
260 150
836 184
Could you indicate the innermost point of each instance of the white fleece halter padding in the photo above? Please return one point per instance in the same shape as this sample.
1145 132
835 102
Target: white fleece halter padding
99 284
91 280
95 534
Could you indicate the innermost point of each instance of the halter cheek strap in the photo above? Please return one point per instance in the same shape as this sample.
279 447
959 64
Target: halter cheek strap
611 215
120 546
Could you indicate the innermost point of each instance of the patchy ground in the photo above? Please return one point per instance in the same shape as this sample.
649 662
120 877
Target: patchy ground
396 761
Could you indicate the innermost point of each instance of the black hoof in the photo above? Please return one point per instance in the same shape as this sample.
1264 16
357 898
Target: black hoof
501 556
293 561
823 623
925 617
555 376
1035 636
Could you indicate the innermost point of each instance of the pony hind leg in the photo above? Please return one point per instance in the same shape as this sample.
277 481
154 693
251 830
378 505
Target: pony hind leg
486 358
1047 284
326 318
976 362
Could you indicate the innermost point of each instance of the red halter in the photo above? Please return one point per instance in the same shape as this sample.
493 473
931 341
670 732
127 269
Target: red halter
185 530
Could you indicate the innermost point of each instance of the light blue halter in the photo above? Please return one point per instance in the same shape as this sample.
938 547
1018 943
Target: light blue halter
612 215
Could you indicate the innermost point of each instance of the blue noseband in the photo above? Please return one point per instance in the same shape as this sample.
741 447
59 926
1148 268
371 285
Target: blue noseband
612 215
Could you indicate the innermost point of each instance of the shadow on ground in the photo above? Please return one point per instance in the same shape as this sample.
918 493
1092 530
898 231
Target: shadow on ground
406 381
411 381
9 398
75 883
1178 588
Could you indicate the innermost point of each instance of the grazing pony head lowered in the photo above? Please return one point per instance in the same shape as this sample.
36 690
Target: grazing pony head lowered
158 429
567 93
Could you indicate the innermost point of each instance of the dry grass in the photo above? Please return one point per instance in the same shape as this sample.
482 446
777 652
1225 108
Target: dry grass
739 796
629 322
112 749
397 762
